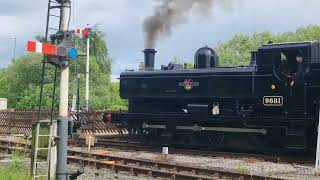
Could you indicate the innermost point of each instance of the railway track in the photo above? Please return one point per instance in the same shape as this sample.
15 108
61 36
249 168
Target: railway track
140 166
158 169
123 144
8 146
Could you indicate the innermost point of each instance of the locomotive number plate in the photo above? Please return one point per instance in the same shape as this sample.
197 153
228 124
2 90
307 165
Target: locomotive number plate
272 100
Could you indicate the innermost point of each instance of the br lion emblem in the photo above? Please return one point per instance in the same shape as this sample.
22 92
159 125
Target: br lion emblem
188 84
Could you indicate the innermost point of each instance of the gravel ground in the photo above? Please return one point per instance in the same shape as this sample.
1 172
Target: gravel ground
244 165
104 174
89 172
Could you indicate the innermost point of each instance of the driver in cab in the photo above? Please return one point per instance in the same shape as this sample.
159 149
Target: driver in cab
297 77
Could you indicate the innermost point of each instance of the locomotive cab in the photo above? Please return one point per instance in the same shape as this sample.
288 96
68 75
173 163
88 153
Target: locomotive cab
280 60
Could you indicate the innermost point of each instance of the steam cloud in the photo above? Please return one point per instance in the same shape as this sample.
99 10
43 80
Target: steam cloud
170 13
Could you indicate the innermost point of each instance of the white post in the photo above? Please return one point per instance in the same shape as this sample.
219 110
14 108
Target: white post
318 146
165 150
87 74
53 153
64 92
14 47
62 124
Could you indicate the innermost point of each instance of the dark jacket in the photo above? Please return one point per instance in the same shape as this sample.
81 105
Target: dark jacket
301 71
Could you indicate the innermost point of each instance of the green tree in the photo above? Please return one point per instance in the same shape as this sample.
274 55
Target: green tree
23 73
100 70
237 50
30 97
20 83
187 64
117 102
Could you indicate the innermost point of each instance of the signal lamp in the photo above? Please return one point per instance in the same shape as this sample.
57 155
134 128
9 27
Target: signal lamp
61 51
73 53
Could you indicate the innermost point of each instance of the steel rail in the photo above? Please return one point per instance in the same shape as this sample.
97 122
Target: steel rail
123 144
141 166
160 169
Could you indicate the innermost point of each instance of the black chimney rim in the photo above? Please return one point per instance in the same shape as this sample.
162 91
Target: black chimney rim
149 50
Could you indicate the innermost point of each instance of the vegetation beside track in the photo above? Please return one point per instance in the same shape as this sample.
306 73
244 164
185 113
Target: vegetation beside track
20 82
17 169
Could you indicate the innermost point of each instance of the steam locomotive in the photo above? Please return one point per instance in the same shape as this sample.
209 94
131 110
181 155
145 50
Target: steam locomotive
246 107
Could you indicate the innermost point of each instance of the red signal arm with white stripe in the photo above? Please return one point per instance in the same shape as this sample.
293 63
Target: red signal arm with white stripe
84 32
43 48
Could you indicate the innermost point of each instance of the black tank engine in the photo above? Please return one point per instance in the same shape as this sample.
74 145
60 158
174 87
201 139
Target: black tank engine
259 105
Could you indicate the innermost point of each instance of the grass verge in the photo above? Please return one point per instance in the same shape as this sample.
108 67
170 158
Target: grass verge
16 170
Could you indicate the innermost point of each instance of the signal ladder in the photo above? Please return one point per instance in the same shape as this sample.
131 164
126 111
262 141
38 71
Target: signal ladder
40 167
52 14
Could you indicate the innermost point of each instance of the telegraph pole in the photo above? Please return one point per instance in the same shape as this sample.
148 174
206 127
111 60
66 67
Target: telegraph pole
62 146
14 47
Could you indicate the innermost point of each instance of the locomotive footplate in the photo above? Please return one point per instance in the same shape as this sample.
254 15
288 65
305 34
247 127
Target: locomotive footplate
188 121
197 128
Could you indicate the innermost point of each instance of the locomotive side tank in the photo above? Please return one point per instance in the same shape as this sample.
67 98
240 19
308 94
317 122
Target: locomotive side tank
221 106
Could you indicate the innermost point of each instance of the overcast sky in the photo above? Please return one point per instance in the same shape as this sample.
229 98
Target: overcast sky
122 20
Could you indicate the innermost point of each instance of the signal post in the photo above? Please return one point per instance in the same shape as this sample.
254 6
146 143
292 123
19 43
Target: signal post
60 55
62 140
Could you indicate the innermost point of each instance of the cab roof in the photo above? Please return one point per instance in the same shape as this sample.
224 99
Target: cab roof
312 48
288 45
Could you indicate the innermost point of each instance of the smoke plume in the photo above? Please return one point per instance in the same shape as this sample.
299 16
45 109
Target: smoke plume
170 13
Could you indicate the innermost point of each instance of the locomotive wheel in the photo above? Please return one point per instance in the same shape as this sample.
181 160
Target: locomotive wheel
189 138
216 139
275 138
142 134
146 135
135 130
312 136
131 131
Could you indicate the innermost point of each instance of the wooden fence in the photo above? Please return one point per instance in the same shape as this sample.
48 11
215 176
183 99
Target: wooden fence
20 122
92 122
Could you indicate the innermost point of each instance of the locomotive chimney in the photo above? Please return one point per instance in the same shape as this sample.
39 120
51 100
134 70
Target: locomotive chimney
149 56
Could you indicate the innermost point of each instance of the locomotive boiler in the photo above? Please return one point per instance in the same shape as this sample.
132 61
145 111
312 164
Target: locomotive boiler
252 106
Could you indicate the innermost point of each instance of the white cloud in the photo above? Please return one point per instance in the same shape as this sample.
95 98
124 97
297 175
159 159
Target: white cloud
24 19
122 21
112 15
